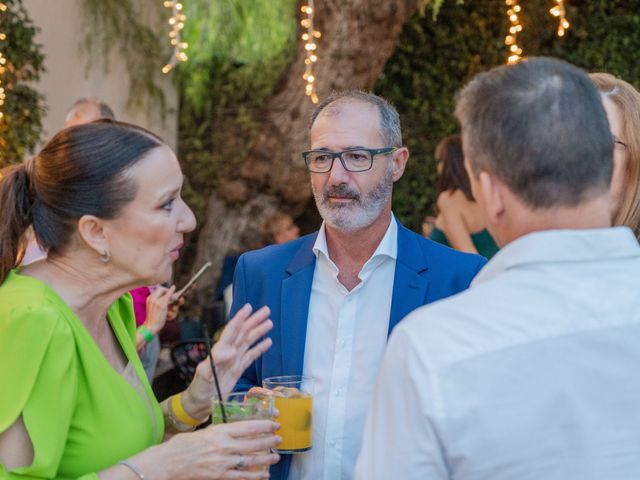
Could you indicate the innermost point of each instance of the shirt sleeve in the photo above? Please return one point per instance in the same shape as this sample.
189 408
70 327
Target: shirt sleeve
400 438
40 374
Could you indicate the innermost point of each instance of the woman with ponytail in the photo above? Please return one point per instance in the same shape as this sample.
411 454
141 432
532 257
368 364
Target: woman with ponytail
103 199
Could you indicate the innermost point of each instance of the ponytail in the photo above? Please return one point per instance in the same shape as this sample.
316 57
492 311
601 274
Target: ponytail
15 216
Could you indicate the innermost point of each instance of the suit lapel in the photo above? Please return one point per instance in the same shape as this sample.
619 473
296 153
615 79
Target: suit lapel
294 307
409 286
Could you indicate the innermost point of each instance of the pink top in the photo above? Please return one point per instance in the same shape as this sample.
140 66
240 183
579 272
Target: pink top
140 303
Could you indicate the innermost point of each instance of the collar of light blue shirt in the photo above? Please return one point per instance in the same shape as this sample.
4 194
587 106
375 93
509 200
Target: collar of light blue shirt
562 246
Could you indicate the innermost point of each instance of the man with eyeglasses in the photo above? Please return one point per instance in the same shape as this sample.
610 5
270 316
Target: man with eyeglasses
336 295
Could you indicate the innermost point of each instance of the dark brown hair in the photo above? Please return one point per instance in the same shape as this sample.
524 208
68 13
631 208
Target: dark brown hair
81 171
453 175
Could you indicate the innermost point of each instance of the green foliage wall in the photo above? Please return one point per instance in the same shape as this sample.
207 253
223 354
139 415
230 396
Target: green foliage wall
238 52
21 125
435 58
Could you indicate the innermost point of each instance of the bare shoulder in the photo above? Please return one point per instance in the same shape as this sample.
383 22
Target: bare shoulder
452 199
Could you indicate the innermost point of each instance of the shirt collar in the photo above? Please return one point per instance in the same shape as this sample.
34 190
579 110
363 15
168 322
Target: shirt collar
562 246
387 247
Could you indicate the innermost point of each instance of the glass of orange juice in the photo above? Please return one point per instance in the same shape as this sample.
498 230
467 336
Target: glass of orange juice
293 397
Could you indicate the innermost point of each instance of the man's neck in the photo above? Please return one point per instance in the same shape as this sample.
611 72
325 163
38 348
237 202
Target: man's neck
594 213
350 250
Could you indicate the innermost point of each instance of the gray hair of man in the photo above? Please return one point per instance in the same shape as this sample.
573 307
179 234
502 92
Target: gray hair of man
539 126
105 110
389 119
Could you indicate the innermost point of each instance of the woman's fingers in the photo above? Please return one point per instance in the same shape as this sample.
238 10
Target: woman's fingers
253 461
166 295
233 327
250 444
155 295
253 353
257 332
256 319
248 428
161 295
259 392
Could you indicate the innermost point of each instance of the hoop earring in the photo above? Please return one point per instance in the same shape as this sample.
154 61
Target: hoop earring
106 256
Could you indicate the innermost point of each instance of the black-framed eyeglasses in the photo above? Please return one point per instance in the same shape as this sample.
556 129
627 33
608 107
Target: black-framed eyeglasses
352 159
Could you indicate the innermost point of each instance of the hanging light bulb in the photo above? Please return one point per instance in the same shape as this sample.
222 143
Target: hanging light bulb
310 47
511 39
177 24
559 11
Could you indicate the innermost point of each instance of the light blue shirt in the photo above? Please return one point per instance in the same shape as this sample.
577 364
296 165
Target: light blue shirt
531 374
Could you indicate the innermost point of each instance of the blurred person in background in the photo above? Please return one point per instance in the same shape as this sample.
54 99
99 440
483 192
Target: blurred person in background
279 228
622 104
460 223
86 110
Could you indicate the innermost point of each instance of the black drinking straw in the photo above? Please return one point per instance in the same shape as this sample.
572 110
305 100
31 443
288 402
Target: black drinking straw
207 341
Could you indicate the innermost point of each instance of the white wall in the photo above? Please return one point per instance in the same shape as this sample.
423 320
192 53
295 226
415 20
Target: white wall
67 79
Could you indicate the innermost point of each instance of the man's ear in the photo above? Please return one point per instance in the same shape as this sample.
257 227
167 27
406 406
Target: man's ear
400 158
493 196
91 230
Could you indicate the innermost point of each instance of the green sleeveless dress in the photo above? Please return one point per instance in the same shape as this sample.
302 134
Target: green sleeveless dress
482 240
80 414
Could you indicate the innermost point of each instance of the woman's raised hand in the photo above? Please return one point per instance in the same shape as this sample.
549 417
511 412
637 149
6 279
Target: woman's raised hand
233 353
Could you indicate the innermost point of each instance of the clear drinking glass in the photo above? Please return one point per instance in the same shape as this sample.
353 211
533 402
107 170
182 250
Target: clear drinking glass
293 395
241 406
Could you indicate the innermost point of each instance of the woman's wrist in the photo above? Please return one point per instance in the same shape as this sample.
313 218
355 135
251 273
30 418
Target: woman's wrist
156 463
195 406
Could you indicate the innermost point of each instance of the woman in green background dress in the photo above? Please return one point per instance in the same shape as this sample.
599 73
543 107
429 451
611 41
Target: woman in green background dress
460 223
104 201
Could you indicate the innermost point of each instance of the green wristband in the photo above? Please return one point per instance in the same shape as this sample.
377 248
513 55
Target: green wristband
146 333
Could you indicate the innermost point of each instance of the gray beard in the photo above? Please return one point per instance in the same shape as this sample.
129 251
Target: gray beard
359 213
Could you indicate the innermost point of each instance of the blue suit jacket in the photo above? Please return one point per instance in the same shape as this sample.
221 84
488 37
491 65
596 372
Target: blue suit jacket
280 277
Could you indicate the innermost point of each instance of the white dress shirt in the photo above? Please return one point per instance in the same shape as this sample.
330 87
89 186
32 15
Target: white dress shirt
346 338
533 373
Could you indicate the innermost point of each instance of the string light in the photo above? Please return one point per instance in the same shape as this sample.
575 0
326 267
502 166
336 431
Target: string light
3 62
175 35
310 46
515 52
559 11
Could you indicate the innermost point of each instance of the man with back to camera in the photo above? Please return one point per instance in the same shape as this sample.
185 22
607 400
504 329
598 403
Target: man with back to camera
532 373
336 294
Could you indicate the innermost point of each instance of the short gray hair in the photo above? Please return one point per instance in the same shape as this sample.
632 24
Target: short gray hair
389 118
540 127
